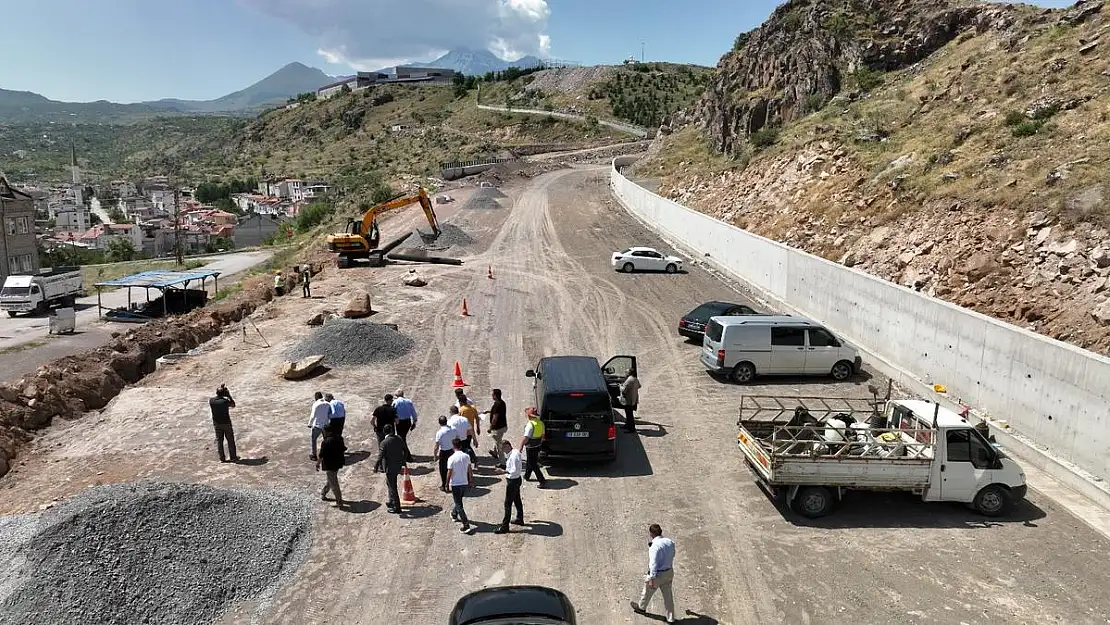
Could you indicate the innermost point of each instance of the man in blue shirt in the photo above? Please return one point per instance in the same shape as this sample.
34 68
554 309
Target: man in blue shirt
406 418
660 573
338 413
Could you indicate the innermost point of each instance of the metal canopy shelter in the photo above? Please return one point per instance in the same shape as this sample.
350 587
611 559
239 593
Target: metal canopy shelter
162 280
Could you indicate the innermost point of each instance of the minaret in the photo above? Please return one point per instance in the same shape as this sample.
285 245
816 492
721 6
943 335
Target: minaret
73 163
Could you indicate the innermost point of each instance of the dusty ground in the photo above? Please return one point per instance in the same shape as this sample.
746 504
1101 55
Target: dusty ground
881 559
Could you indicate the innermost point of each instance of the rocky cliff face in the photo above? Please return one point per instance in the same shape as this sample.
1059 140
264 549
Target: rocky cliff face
976 173
811 50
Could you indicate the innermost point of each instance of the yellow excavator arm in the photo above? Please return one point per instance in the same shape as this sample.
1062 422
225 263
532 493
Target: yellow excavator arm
362 237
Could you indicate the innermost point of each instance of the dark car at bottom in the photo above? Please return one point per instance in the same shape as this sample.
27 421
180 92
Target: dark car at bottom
692 324
514 605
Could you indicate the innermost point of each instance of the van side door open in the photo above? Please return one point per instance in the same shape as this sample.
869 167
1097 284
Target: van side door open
616 371
788 350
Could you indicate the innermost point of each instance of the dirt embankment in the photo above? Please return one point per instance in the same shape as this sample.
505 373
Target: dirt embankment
70 386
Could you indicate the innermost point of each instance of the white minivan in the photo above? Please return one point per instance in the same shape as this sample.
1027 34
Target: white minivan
744 347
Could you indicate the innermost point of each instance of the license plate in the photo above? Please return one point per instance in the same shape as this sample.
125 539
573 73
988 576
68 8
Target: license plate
578 434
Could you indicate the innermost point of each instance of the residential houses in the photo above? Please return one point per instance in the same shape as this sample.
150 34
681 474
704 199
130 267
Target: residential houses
123 188
72 218
18 246
100 236
256 228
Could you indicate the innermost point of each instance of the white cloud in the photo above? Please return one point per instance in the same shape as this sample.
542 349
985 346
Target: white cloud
371 34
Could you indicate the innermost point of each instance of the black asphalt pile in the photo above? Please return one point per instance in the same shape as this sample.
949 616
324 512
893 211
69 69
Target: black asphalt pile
450 236
485 198
351 342
154 553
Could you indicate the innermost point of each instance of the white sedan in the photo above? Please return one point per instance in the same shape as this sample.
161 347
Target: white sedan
645 259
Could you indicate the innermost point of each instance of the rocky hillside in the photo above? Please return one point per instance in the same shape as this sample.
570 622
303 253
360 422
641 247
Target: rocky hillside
957 148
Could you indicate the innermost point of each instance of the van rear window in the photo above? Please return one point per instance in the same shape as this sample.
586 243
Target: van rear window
713 331
563 406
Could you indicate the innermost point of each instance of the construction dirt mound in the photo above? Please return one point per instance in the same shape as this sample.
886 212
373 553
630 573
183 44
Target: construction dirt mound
150 553
485 198
353 343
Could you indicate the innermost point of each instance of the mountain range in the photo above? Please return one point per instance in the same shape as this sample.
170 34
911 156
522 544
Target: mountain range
275 89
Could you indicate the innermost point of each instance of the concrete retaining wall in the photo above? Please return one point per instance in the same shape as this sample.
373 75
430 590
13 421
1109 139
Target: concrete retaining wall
1053 394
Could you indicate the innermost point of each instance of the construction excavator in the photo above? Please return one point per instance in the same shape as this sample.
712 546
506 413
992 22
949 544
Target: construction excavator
362 236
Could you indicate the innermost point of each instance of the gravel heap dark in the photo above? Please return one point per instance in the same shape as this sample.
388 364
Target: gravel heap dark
150 552
353 342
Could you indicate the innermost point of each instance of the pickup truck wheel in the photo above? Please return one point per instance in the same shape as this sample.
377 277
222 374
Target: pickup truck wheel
743 373
628 268
993 501
672 268
11 313
842 371
813 502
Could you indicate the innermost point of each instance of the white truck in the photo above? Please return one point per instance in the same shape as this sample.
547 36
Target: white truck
809 451
40 292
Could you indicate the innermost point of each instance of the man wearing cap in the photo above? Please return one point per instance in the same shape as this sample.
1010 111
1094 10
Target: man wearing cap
530 444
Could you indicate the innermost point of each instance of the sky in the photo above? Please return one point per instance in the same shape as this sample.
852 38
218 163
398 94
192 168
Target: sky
136 50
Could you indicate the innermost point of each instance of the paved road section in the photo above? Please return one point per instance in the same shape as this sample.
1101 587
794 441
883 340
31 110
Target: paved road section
883 558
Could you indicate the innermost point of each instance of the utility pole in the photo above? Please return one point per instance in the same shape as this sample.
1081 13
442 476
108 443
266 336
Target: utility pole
177 227
641 51
4 232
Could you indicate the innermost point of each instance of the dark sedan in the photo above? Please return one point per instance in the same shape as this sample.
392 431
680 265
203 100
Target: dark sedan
692 324
514 605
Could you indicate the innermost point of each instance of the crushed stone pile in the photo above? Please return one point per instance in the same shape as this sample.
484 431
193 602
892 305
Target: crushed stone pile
450 236
485 198
150 552
352 342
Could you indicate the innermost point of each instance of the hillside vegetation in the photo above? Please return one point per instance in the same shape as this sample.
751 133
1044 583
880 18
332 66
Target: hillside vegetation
645 94
971 168
341 139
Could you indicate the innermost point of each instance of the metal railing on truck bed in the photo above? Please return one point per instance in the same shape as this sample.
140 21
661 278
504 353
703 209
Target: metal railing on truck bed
832 442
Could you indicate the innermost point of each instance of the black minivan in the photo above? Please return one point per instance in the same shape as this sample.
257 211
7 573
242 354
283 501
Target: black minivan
575 398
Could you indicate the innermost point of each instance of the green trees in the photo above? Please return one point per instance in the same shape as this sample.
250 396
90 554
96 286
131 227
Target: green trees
120 250
210 192
312 215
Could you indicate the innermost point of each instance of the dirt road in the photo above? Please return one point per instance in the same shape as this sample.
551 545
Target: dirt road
880 559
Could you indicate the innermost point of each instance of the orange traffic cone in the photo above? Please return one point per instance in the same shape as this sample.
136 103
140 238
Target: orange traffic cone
408 495
458 383
465 312
489 272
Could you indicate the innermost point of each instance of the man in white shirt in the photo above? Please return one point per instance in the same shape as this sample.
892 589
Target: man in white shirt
460 475
660 573
444 448
406 417
321 415
512 487
460 424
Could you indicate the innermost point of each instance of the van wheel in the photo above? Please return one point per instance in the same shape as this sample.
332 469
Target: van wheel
743 373
672 268
813 502
842 371
628 268
993 501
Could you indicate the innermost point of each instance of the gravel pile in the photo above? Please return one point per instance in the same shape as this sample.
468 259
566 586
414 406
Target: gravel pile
450 236
151 553
352 342
485 198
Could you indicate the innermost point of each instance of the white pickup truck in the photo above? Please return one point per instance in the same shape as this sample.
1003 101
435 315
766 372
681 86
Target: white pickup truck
809 451
38 293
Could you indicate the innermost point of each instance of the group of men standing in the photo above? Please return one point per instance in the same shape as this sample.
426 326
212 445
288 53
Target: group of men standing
455 443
